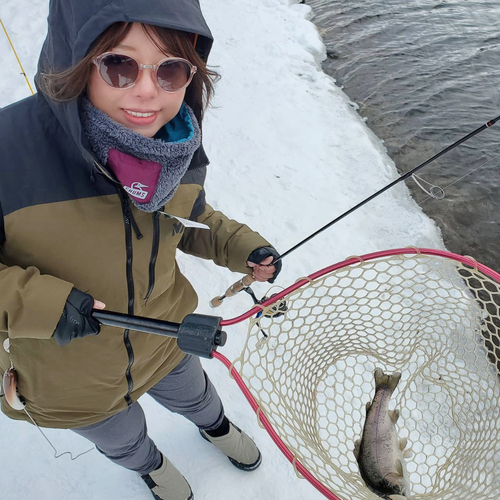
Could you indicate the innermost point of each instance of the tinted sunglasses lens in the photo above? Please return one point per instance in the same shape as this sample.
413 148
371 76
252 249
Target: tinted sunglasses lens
173 75
118 71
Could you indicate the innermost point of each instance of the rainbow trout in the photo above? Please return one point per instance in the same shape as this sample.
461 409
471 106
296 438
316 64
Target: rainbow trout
380 452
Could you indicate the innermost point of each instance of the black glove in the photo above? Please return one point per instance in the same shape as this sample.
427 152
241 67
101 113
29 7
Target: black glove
76 319
258 255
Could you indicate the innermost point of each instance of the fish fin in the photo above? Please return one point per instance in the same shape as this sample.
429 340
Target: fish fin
398 497
382 379
407 454
394 415
368 406
402 443
357 448
399 467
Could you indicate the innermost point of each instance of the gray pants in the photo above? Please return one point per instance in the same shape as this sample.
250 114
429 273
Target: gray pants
123 438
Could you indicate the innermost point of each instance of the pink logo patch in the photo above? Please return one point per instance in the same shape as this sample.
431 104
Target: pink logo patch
138 177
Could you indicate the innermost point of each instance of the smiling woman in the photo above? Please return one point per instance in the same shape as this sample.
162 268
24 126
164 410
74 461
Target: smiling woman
144 105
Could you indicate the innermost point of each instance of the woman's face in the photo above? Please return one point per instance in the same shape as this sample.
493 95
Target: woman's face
144 97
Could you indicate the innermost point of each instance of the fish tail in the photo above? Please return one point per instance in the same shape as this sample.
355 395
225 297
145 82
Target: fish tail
382 379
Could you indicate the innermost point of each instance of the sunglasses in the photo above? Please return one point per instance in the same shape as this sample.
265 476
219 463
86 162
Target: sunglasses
121 72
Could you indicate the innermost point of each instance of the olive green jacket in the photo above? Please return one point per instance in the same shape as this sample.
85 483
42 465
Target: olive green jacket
51 248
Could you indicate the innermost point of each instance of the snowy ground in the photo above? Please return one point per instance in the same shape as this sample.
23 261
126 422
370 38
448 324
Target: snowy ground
288 154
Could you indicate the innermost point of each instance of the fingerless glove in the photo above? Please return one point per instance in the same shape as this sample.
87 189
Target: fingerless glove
76 320
258 255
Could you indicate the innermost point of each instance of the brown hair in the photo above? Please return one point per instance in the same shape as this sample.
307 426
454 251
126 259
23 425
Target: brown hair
67 85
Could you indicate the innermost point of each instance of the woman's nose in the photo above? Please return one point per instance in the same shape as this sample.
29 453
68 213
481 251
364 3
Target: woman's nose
145 85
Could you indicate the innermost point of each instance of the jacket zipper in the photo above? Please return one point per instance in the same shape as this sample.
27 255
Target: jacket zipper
127 217
154 253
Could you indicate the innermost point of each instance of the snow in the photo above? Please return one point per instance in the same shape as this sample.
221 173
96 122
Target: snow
288 154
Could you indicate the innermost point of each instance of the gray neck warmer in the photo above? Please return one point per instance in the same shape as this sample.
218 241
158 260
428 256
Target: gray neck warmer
150 169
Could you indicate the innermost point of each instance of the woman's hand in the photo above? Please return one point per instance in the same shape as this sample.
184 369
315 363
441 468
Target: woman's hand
262 271
76 319
260 262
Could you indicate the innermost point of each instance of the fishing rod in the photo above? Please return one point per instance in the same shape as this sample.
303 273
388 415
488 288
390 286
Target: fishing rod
247 280
17 57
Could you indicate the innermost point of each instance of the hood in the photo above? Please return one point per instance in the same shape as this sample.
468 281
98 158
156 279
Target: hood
74 24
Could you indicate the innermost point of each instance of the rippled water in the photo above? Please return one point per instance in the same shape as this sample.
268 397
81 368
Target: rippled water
426 73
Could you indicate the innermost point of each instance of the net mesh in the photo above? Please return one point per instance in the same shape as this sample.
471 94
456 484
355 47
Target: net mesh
431 318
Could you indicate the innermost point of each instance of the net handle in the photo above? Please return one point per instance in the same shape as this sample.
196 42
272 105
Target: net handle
468 261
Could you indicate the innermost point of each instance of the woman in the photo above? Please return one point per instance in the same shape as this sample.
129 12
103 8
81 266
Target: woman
88 164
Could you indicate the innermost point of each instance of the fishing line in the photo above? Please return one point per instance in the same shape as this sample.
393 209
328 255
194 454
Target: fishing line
56 455
458 180
434 191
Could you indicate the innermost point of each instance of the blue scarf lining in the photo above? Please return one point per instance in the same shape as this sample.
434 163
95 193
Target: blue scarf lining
178 129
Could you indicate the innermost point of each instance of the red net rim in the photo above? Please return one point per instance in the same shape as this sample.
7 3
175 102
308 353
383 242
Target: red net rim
468 261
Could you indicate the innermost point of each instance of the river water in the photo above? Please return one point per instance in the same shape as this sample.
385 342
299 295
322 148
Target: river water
426 73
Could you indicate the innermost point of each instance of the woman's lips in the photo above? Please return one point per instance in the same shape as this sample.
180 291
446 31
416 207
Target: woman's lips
140 120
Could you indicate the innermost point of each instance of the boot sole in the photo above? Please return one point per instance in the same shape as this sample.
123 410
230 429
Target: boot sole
156 497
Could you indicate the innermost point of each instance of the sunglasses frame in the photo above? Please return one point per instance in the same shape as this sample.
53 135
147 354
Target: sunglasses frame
97 61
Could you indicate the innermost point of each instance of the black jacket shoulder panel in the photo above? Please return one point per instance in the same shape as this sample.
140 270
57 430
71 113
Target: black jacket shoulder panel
199 206
195 175
39 162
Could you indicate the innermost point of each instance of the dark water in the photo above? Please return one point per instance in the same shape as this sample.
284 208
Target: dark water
426 73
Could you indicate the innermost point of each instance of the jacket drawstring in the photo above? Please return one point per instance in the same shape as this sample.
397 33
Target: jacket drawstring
129 214
137 231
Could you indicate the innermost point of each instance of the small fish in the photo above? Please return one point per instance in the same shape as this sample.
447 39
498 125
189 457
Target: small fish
9 384
380 452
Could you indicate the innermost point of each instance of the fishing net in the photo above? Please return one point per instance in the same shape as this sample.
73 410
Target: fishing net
432 318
